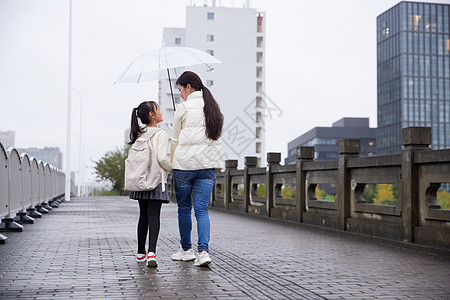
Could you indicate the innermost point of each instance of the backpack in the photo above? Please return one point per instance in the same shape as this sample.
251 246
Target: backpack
142 170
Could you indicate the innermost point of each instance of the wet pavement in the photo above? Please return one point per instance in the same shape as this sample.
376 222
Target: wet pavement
85 249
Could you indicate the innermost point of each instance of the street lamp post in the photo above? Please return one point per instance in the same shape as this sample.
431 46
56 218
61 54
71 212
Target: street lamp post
80 162
69 100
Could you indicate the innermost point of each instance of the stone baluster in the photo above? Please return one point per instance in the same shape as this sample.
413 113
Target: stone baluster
273 162
250 162
347 148
304 154
414 139
230 164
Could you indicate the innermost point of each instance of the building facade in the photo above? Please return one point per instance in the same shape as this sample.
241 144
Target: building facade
50 155
236 36
413 62
8 139
325 139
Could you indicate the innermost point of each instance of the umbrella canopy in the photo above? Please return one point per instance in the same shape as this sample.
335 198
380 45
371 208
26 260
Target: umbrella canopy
147 66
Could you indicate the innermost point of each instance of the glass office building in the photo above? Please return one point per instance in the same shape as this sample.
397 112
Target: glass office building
413 62
325 139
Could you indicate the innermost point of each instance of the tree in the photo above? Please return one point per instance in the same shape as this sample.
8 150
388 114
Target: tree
443 198
261 190
321 195
385 194
288 191
370 193
111 167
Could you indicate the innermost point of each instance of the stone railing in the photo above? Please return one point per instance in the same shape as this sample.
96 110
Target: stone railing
417 173
28 188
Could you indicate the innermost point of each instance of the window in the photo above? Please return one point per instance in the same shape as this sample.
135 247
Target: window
210 16
259 55
258 132
259 41
259 21
259 72
210 38
259 102
210 52
177 41
258 147
258 117
259 87
414 21
210 83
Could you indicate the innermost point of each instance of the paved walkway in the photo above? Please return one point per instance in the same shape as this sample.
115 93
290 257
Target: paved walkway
85 250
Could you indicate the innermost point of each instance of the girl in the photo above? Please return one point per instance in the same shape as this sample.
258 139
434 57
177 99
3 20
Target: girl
150 201
196 152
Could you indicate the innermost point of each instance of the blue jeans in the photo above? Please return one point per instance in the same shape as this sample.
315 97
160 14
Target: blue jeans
194 186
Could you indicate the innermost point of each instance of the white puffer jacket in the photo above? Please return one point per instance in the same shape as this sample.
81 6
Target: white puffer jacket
191 149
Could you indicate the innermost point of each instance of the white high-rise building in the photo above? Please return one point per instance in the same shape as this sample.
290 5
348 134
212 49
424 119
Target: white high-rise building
236 36
8 138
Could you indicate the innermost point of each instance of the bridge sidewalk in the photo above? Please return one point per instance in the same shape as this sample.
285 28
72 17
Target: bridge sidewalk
85 249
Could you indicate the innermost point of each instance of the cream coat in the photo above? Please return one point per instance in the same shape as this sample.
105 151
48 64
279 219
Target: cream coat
191 149
160 143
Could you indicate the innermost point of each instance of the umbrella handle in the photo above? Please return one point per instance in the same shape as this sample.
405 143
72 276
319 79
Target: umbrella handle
171 92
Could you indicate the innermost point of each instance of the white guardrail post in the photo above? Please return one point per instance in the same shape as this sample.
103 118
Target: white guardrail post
14 194
26 187
32 211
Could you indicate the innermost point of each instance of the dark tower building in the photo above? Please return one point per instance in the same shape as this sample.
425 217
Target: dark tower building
413 60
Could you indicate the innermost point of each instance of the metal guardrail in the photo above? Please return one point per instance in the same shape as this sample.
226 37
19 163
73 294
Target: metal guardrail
28 189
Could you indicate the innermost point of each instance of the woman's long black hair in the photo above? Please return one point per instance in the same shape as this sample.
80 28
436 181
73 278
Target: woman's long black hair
141 112
213 116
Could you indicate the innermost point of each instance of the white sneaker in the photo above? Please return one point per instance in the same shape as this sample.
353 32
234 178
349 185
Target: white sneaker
141 257
202 259
151 260
184 255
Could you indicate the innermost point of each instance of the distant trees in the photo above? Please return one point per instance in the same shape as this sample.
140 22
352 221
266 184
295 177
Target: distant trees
322 195
443 198
111 167
288 191
381 193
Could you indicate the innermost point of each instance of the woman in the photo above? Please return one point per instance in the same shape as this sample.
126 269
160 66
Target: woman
150 201
196 152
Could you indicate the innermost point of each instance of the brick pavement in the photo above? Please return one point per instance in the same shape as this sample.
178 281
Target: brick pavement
85 250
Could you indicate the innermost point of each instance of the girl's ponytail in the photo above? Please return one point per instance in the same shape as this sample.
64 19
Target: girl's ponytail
134 129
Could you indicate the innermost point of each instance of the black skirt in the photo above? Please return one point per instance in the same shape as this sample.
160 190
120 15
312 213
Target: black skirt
155 194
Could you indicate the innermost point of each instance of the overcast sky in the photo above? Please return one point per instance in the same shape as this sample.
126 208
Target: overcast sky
320 66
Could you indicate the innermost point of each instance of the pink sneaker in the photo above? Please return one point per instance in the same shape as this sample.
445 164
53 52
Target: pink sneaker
141 257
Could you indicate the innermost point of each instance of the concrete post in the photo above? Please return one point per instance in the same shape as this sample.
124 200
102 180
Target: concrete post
228 189
347 148
273 161
304 154
414 139
250 162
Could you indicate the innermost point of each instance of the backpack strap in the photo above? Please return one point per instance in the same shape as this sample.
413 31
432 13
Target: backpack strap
149 133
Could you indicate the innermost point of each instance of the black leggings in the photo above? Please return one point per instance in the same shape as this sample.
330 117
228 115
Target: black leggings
149 212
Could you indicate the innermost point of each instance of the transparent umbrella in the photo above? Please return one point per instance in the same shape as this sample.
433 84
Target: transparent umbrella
148 66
